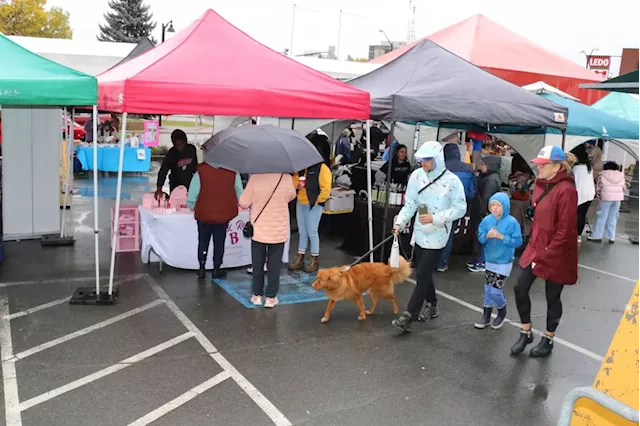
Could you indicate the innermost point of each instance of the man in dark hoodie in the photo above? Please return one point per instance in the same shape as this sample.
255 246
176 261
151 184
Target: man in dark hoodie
468 178
489 183
181 161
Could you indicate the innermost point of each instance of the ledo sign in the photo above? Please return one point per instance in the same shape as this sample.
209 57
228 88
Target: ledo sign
599 62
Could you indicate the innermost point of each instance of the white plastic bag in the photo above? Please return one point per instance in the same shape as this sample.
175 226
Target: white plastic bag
394 258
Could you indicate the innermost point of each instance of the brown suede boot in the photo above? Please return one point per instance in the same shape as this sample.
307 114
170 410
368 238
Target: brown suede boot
313 265
298 263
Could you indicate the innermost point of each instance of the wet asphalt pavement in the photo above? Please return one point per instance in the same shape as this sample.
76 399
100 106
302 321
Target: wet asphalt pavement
345 372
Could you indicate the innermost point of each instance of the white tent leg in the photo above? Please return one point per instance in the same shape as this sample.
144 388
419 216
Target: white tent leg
195 131
66 174
369 200
95 197
116 216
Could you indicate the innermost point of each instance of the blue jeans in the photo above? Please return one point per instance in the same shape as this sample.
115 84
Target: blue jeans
446 251
606 221
308 222
493 297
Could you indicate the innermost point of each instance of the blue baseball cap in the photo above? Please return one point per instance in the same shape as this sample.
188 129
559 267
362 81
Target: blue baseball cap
549 154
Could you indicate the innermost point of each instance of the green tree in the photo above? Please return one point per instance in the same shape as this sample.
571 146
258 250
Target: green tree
29 18
128 21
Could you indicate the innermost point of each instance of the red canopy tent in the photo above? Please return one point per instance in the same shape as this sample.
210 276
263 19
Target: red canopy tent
509 56
213 68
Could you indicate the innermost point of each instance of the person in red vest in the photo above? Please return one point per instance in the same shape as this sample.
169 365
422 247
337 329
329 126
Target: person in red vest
213 196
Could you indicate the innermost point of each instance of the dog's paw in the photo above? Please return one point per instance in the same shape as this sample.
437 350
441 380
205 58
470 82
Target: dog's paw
362 317
324 319
367 312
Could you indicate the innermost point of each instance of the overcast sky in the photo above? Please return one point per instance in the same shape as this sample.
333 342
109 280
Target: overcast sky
563 26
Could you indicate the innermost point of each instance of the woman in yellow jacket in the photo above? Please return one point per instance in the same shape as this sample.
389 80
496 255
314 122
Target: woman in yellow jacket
314 189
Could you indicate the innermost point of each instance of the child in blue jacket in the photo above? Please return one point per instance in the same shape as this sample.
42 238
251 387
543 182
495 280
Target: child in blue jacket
500 234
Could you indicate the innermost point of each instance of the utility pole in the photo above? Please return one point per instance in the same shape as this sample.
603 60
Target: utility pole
411 30
293 29
339 34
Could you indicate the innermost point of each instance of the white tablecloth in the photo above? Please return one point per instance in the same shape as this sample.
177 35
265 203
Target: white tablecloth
174 237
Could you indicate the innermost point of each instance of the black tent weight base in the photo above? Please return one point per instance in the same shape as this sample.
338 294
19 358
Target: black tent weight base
88 296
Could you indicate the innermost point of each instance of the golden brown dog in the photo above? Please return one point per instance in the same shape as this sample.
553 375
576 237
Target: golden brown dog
377 279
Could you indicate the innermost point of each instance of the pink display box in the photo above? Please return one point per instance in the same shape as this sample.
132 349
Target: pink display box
128 236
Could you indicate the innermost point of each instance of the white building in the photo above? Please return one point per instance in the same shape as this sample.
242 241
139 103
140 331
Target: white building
93 57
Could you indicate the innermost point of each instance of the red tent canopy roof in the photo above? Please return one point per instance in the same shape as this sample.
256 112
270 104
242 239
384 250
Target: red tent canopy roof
213 68
487 44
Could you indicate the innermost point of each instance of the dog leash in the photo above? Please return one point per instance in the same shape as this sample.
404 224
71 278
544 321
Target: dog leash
358 260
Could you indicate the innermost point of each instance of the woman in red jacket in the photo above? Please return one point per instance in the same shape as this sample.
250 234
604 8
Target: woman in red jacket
552 252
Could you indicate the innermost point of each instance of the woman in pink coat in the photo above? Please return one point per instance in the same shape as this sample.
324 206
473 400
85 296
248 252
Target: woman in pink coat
610 190
268 195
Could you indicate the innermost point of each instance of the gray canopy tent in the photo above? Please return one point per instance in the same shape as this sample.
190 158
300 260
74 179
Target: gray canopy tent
429 83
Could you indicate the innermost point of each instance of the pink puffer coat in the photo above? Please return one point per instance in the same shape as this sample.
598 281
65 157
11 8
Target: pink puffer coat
272 227
611 185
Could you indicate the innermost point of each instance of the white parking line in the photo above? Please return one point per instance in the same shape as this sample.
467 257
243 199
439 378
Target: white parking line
270 410
608 273
55 342
181 400
478 309
37 308
10 381
90 279
102 373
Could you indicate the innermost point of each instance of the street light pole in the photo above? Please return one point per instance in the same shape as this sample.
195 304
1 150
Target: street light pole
385 36
588 56
339 34
166 28
293 29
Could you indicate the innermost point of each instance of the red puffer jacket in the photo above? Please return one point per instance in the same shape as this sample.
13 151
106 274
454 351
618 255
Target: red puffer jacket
553 245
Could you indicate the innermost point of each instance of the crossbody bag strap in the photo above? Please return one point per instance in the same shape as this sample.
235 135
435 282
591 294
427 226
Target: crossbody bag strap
432 182
544 193
270 197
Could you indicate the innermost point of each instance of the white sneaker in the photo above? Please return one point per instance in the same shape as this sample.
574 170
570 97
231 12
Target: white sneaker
579 239
271 302
256 300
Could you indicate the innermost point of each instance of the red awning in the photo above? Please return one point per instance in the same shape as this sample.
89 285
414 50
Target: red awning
213 68
510 56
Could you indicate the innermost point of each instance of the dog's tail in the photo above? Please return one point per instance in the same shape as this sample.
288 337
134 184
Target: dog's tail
402 272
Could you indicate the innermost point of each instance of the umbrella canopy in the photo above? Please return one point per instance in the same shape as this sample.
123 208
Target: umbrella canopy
508 55
623 105
260 149
429 83
626 83
29 79
213 68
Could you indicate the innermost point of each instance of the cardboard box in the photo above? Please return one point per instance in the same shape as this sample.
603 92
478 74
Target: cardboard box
341 201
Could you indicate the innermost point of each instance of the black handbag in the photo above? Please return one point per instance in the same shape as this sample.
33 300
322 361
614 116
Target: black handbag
247 231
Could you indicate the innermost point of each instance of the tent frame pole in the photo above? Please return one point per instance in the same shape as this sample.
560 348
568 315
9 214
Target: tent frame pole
564 137
387 186
116 216
96 229
369 200
438 132
67 129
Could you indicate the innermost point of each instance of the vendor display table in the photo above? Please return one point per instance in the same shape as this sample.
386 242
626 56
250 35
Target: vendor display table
135 159
173 238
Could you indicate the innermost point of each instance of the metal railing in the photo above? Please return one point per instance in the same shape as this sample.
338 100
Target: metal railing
598 397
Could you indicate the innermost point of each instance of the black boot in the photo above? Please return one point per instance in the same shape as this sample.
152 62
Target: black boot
403 322
218 273
526 338
499 321
543 348
486 318
201 271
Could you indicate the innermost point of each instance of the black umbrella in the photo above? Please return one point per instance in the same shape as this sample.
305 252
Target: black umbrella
260 149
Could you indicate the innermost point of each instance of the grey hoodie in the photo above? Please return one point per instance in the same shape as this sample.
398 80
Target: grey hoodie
489 183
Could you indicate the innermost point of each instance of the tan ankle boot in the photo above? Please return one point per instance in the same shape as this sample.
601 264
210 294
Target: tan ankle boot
313 266
298 263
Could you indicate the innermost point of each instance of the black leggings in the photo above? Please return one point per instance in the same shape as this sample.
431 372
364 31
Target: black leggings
426 262
582 216
523 302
